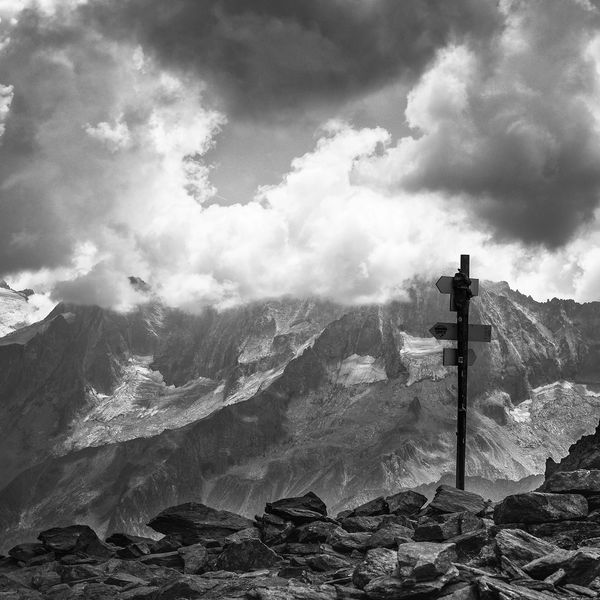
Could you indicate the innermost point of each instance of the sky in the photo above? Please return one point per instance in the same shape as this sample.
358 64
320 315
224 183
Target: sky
226 151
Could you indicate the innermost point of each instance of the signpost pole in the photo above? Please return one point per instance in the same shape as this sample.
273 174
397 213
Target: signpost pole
462 296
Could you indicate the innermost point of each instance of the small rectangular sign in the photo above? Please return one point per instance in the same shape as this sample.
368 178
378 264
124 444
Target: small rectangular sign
449 331
450 357
444 284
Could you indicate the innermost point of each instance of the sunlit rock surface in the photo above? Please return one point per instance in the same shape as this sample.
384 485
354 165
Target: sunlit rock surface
105 418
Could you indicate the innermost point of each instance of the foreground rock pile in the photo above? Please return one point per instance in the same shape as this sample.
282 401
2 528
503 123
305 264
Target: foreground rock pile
533 546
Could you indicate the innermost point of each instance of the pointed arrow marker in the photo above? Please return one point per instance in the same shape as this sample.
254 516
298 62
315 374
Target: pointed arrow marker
444 284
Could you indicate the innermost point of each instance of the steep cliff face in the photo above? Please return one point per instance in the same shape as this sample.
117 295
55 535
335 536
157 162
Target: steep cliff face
269 400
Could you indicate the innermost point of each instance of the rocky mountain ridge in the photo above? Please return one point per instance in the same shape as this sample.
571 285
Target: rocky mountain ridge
127 413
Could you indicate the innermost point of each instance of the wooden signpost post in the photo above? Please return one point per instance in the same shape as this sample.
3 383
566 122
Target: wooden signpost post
461 289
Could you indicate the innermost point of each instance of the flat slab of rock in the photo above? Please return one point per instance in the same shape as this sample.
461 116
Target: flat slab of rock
521 547
582 481
406 503
449 499
298 510
25 552
354 524
194 522
390 588
75 539
492 588
539 507
421 561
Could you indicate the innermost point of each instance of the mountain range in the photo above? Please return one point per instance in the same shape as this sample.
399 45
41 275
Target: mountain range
105 417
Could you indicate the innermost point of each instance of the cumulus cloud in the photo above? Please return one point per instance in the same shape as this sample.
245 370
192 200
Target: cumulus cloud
515 130
103 169
267 56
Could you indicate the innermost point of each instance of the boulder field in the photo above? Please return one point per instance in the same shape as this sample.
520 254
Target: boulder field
539 545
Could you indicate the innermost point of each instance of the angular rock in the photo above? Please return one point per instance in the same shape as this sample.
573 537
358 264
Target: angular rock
185 586
449 499
194 522
145 592
326 562
315 532
169 543
379 562
406 503
171 560
134 550
582 481
377 506
521 547
246 555
274 529
124 539
64 540
349 593
581 566
392 588
565 534
354 524
470 545
421 561
122 580
25 552
490 588
447 525
250 533
298 510
345 542
72 573
195 558
539 507
389 536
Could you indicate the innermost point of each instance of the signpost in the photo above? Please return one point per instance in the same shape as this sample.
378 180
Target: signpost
461 289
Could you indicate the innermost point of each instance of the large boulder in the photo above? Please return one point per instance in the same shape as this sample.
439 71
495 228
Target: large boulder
582 481
379 562
449 499
389 535
298 510
75 539
521 547
406 503
372 508
539 507
194 522
342 541
446 525
420 561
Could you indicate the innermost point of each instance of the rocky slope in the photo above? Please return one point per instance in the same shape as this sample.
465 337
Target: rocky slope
107 418
457 547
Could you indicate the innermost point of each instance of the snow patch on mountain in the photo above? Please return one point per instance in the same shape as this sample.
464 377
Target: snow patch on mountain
422 357
356 369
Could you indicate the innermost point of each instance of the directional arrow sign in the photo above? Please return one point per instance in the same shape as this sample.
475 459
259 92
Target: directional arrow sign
449 331
444 284
450 357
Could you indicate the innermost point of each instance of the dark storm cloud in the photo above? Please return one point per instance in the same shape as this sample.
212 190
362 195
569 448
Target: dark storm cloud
267 56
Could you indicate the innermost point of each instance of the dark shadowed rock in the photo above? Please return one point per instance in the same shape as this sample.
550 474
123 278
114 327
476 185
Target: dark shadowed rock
392 588
169 543
72 573
377 506
195 558
25 552
310 533
124 539
420 561
171 560
581 566
521 547
74 538
345 542
298 510
326 562
449 499
354 524
124 580
134 550
446 525
469 545
144 592
492 589
379 562
406 503
581 481
565 534
185 586
273 529
246 555
194 522
538 507
389 535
